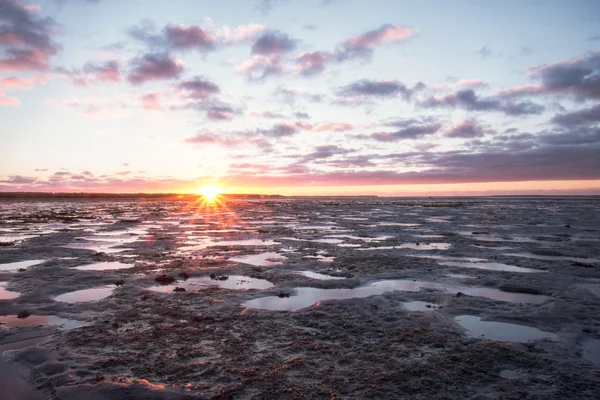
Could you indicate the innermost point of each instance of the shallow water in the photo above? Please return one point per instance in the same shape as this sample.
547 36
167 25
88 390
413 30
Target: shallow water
266 259
591 351
12 321
19 264
7 294
104 266
236 282
306 296
490 266
316 275
500 331
85 295
553 258
419 306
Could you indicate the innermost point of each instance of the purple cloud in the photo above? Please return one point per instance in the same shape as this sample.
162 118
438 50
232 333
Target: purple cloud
199 88
273 42
370 88
465 129
25 40
468 99
410 129
173 37
309 64
581 117
153 67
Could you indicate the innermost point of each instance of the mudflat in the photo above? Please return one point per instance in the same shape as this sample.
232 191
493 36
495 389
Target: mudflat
301 297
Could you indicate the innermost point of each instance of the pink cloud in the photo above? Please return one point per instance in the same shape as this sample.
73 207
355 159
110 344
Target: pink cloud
361 46
8 101
207 139
308 64
240 33
33 7
335 127
26 39
261 66
150 101
18 83
521 90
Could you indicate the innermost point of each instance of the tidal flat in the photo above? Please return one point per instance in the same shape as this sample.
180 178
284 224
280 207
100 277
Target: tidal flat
490 297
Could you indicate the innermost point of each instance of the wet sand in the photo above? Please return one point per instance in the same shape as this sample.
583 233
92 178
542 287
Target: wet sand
312 298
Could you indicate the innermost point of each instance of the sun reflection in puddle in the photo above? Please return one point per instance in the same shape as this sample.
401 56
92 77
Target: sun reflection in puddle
266 259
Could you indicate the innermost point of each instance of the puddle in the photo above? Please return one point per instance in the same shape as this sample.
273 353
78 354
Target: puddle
490 266
316 275
363 238
497 248
266 259
7 294
591 351
12 321
439 219
510 374
499 295
328 241
413 246
306 296
451 258
500 331
430 236
321 258
98 246
19 264
233 282
553 258
349 245
419 306
84 295
104 266
408 225
247 242
460 276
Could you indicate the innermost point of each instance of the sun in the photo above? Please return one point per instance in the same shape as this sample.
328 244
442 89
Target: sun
210 192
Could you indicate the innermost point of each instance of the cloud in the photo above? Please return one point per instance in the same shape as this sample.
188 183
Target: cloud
260 67
173 37
18 83
266 114
309 64
410 129
18 180
150 101
468 99
361 46
153 67
199 88
240 33
220 112
581 117
102 72
334 127
325 151
273 42
8 101
365 87
581 136
484 52
26 42
465 129
578 77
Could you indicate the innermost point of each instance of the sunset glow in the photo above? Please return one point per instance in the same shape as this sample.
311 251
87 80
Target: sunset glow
300 97
210 192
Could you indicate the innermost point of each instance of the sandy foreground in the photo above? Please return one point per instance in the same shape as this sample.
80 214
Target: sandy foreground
479 298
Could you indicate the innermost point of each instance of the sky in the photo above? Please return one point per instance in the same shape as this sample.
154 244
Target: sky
437 97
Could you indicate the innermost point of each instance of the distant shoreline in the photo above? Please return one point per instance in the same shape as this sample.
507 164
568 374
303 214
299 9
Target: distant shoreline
189 196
